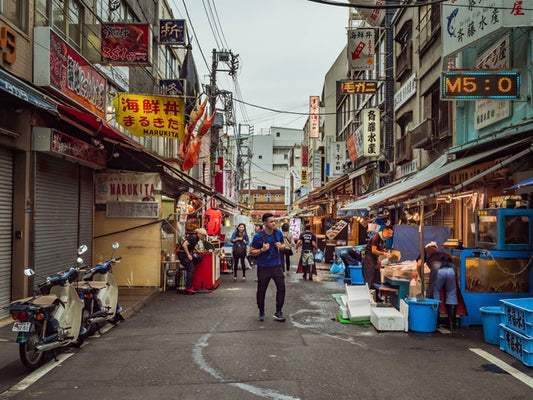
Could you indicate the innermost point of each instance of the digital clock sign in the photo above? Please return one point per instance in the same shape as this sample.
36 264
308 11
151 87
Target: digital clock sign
474 85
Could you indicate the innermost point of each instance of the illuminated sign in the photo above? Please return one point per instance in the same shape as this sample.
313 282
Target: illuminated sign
356 87
473 85
125 44
172 31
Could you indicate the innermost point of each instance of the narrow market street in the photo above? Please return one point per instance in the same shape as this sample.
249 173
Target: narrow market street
211 345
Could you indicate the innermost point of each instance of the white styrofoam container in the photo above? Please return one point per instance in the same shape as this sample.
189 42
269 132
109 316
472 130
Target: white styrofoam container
404 309
387 319
359 292
344 300
359 310
343 311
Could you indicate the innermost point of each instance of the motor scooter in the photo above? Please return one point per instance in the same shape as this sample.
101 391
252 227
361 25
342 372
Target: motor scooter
99 292
49 320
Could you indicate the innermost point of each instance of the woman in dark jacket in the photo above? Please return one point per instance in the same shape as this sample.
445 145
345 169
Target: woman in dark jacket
240 240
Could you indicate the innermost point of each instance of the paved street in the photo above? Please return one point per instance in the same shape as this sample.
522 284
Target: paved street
211 346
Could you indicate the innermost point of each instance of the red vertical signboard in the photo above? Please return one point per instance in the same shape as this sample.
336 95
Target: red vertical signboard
305 156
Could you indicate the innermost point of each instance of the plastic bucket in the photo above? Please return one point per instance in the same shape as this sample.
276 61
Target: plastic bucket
423 315
491 317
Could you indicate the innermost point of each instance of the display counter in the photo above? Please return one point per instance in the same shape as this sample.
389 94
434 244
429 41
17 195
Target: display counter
207 273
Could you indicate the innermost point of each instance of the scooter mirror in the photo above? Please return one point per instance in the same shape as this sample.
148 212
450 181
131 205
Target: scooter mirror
29 272
115 245
82 249
79 260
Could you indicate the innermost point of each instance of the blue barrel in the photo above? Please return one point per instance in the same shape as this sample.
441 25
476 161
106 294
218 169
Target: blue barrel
423 315
491 317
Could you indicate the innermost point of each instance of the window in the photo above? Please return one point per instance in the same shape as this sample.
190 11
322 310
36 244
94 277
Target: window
256 197
267 197
260 157
42 11
277 134
65 17
278 196
285 156
16 11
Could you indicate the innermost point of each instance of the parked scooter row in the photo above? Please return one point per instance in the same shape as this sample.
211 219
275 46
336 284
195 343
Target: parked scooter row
64 310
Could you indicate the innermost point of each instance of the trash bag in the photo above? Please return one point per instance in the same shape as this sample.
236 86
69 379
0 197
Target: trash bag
319 256
338 267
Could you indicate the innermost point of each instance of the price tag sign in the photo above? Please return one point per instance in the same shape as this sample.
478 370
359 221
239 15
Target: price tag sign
475 85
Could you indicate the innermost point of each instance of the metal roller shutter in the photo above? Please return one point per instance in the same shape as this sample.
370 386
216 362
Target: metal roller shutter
86 212
6 227
56 215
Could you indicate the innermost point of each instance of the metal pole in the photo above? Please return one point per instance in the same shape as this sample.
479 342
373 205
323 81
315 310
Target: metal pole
422 255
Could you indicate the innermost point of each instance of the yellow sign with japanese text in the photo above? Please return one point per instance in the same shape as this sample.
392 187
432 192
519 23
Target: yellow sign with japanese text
143 115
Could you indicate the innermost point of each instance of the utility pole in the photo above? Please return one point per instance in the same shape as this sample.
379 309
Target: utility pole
214 130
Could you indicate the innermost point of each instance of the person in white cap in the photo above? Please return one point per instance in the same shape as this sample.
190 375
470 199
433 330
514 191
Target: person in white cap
185 255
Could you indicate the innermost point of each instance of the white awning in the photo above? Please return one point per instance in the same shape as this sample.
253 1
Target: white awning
434 171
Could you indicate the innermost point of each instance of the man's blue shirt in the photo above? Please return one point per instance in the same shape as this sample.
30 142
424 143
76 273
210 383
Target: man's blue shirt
271 257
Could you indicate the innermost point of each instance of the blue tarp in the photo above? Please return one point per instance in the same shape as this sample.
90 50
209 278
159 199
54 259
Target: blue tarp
406 239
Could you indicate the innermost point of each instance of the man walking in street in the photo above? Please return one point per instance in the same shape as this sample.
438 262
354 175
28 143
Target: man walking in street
374 249
307 261
266 246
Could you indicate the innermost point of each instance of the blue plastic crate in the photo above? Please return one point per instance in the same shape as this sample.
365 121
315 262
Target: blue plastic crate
356 274
516 344
518 314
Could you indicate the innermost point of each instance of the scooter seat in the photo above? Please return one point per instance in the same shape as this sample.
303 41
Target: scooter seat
90 285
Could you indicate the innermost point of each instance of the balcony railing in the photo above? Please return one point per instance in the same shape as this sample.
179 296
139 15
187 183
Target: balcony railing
403 149
422 134
404 61
429 28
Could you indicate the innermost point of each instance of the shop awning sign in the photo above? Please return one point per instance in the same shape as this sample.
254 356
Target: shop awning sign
142 115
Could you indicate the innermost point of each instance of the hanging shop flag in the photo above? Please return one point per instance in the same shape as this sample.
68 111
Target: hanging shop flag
125 44
60 67
373 16
361 49
144 115
305 156
172 31
314 109
172 87
336 156
352 151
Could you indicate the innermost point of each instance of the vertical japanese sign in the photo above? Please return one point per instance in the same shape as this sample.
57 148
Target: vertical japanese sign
367 139
317 169
336 157
490 111
287 188
60 67
305 156
125 44
150 115
172 31
371 128
361 49
466 21
303 175
314 109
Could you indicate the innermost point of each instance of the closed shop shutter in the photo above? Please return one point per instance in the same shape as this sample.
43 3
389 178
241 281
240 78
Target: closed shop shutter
56 215
6 227
86 212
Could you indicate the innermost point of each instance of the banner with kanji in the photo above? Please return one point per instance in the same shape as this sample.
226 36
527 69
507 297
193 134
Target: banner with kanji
143 115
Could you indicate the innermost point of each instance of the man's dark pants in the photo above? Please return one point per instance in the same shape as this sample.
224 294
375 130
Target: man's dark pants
264 275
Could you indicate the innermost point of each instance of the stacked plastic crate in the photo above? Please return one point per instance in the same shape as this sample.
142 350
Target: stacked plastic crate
516 329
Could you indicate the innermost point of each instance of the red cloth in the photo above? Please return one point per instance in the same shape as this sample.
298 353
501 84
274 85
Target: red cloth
213 221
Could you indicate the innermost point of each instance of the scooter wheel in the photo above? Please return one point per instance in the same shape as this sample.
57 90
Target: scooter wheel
29 355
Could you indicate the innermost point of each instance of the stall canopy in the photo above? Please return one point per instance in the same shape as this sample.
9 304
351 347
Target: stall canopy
525 186
434 171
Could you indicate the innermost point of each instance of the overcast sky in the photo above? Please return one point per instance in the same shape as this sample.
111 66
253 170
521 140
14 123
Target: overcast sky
285 49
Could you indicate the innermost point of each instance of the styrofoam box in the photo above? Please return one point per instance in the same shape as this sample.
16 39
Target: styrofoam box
357 292
344 312
387 319
359 310
344 300
404 310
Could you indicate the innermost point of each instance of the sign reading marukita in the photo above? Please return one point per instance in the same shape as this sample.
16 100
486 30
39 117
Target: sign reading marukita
142 115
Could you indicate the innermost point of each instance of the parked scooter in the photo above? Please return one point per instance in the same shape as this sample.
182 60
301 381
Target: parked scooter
99 292
50 320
